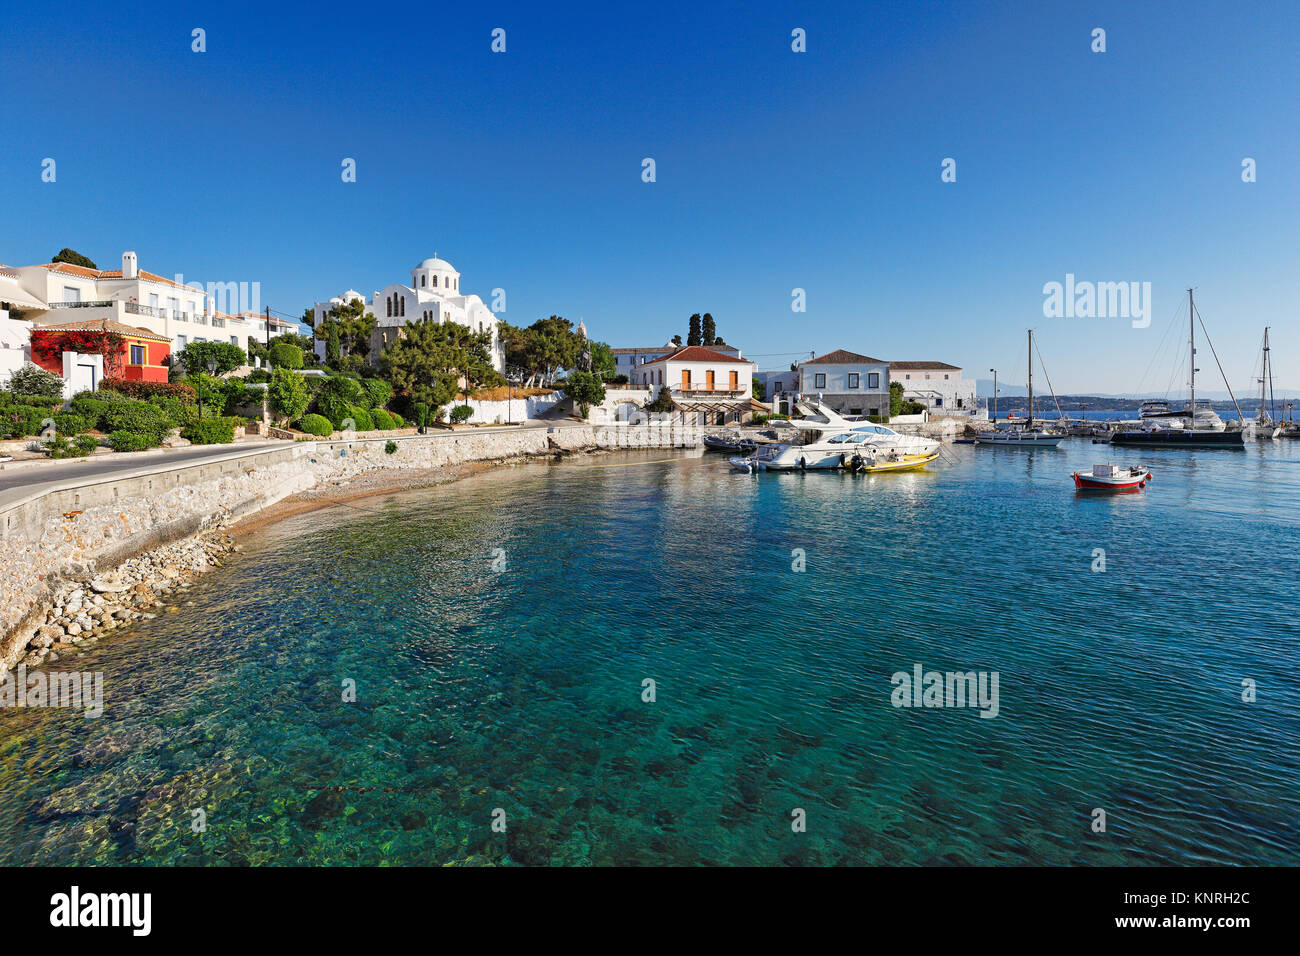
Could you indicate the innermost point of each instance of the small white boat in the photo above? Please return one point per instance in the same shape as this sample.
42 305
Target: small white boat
1112 478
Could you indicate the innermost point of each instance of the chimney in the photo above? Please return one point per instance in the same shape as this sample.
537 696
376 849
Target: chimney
128 265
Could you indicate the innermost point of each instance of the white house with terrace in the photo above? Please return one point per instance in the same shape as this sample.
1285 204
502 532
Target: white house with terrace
59 292
434 293
707 387
850 383
936 385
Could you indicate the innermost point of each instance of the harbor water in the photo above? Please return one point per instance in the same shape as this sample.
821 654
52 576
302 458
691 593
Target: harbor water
647 658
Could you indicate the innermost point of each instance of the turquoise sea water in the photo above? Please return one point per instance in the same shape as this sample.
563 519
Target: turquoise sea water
521 689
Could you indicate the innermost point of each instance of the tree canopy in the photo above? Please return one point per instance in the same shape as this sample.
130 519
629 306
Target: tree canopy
350 324
196 355
429 359
544 347
72 257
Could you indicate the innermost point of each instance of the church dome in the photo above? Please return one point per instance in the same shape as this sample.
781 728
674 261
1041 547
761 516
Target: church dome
436 263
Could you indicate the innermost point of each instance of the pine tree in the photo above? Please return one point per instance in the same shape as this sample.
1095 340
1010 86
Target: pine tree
693 336
710 330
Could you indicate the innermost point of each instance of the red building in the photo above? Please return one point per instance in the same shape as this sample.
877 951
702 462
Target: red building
129 352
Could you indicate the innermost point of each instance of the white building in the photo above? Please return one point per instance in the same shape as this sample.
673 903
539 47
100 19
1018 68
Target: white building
58 292
850 383
936 385
434 293
711 386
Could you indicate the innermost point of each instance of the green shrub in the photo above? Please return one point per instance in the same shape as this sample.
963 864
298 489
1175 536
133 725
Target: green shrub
284 355
461 413
259 376
421 411
70 423
31 379
210 431
130 441
390 447
178 413
139 417
382 420
317 425
360 416
398 420
146 390
287 396
90 408
378 392
20 421
85 445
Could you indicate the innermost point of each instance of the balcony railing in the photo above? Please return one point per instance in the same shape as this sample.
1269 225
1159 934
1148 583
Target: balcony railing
152 310
99 304
218 321
706 389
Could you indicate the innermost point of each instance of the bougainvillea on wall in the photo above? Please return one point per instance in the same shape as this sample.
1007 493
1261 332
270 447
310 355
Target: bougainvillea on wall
51 345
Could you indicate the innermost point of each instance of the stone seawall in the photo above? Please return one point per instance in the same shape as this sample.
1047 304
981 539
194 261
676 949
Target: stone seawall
60 536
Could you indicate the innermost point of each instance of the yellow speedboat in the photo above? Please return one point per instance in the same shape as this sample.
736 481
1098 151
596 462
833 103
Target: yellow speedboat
869 466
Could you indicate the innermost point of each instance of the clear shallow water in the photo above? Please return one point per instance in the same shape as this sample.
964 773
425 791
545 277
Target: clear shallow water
522 689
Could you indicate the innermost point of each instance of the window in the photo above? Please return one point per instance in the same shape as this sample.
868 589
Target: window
180 341
234 340
873 380
403 301
938 403
819 380
435 282
424 281
153 300
137 355
173 303
71 293
854 381
776 386
945 376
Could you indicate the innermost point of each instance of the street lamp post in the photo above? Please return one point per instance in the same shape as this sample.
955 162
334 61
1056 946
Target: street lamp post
995 395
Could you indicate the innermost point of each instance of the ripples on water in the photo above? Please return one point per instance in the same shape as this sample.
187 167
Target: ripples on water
522 689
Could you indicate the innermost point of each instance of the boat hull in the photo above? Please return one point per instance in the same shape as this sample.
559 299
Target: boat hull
1049 441
1179 438
1125 483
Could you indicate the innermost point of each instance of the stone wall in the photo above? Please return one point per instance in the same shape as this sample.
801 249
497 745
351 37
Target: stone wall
72 530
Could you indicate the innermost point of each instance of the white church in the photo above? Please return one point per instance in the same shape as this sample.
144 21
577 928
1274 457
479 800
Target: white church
434 293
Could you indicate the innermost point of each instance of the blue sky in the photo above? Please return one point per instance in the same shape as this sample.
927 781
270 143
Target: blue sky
775 169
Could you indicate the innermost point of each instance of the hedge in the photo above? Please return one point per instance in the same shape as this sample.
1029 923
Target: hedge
382 420
20 421
144 390
70 423
130 441
210 431
139 417
317 425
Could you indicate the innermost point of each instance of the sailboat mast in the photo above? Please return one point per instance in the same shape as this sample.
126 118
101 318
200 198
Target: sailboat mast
1191 324
1031 379
1263 379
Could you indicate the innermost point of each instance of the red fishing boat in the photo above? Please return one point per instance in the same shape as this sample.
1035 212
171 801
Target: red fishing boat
1113 478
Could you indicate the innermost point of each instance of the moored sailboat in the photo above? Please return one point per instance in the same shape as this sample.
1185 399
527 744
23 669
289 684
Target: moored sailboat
1023 435
1191 427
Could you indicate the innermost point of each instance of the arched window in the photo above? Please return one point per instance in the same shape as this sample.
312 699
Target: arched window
389 303
435 282
424 280
402 300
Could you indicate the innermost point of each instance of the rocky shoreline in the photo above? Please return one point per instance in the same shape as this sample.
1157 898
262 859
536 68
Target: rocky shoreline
84 611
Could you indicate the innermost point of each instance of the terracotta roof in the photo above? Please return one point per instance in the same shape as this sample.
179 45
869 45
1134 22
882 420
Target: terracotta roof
698 353
842 357
102 325
915 366
68 268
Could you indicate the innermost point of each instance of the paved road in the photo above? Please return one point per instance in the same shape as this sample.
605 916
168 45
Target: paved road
101 465
12 478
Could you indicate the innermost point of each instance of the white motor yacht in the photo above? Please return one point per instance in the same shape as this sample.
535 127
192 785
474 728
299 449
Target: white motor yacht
835 442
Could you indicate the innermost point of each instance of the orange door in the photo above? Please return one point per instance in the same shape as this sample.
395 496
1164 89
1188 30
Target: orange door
686 379
734 384
709 378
